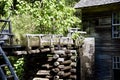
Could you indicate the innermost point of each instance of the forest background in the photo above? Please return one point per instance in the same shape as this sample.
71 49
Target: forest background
38 16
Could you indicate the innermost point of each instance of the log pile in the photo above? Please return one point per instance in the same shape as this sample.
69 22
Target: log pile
61 62
60 65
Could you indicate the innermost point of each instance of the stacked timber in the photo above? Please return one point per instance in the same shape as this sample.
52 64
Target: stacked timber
57 59
65 65
60 65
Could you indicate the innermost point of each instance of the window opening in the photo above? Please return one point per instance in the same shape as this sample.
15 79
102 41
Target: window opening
116 25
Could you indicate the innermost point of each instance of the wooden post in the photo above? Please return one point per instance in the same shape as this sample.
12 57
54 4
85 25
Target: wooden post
87 58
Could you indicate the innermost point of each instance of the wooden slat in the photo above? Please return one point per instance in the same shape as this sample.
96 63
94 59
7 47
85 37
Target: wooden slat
40 79
43 72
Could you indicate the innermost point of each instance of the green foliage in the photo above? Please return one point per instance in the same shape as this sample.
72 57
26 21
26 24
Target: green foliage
18 65
78 38
22 24
58 17
71 2
5 6
47 16
75 35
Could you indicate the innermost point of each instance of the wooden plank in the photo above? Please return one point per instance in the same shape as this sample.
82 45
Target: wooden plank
66 41
40 79
43 72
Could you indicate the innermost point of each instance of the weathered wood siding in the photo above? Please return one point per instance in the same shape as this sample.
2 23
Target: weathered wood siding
105 46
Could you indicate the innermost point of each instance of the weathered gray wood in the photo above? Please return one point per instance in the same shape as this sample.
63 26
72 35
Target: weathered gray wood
66 68
59 52
66 62
55 56
104 44
45 49
60 73
87 58
73 71
60 60
66 41
73 77
56 77
88 3
64 74
35 51
55 70
73 58
47 66
50 59
67 74
103 63
40 79
42 40
73 64
56 63
43 72
20 52
61 66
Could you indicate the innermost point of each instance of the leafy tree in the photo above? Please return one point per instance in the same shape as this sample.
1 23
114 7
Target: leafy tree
46 16
71 2
42 16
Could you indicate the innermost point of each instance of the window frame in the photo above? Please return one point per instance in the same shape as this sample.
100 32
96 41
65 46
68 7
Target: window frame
115 25
116 62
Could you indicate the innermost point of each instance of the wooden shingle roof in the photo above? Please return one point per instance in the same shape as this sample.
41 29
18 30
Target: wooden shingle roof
89 3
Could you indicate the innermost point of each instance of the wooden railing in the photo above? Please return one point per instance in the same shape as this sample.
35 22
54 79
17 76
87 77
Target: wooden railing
47 40
42 40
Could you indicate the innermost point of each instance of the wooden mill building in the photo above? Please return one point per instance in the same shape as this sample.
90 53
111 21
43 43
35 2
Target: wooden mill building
101 19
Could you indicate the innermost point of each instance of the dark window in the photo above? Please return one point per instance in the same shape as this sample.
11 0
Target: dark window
116 62
116 25
116 67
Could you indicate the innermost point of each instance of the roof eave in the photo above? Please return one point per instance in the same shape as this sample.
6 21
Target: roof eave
77 6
